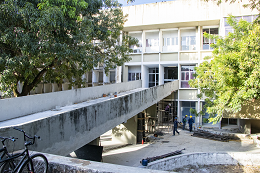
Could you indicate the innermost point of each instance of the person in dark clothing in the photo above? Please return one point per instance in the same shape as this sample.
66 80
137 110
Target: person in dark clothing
190 121
184 120
175 125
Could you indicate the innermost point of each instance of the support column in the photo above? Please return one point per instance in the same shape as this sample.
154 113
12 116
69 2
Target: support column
126 132
106 77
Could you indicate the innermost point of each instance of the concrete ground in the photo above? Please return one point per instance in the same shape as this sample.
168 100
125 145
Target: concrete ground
132 155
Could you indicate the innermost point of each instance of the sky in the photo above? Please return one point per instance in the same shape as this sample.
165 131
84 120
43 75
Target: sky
137 2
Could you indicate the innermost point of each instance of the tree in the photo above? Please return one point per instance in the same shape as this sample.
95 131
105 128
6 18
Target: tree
57 40
253 4
231 78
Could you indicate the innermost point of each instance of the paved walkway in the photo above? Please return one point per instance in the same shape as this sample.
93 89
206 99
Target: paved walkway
133 154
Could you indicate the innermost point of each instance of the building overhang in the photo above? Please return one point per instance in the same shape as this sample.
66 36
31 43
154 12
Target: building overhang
171 25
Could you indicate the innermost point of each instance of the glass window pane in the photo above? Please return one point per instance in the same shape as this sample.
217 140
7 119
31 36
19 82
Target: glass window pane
133 76
148 42
193 40
225 22
185 111
151 84
191 76
173 41
151 70
238 18
140 76
185 104
227 30
248 18
184 68
151 77
185 84
137 76
192 104
157 78
205 30
182 75
192 68
168 41
187 76
129 76
214 31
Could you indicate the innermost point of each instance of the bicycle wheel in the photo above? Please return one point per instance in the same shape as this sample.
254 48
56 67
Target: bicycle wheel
37 163
7 167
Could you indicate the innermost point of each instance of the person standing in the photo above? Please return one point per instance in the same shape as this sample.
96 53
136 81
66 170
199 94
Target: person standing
184 120
175 125
190 121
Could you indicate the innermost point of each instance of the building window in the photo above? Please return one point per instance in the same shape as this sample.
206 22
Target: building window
170 74
152 41
137 48
185 109
206 41
228 28
153 77
134 76
188 39
187 73
170 41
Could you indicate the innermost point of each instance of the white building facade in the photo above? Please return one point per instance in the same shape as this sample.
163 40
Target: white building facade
171 44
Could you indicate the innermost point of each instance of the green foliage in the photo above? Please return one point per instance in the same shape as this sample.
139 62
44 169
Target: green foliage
252 4
57 39
205 120
232 75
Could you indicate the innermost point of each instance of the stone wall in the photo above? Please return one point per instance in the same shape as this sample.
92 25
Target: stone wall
180 161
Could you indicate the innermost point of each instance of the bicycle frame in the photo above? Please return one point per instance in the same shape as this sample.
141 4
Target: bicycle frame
25 157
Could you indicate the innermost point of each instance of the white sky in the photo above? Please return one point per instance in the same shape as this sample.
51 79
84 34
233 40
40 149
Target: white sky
137 2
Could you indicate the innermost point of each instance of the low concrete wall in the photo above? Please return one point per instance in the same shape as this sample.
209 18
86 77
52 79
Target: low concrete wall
60 164
21 106
180 161
249 110
74 126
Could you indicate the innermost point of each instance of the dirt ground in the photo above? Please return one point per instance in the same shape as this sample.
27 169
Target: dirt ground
219 169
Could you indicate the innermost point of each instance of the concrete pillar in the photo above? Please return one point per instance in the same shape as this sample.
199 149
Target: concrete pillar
161 75
145 76
20 86
118 74
126 132
106 77
125 73
38 89
55 87
65 86
95 75
47 88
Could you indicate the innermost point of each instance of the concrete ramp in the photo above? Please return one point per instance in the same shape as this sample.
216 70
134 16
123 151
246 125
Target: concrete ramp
71 127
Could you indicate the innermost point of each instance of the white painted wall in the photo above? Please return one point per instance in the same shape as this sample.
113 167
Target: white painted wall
182 11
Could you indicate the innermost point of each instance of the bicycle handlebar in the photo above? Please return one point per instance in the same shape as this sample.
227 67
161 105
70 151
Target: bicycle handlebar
10 138
26 135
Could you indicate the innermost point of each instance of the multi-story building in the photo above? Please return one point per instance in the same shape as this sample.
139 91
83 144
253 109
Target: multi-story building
171 44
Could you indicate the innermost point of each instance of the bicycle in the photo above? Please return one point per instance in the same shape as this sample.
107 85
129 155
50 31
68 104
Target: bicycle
4 152
36 163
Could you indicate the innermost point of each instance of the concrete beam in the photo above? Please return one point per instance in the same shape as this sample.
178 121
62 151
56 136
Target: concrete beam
71 127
